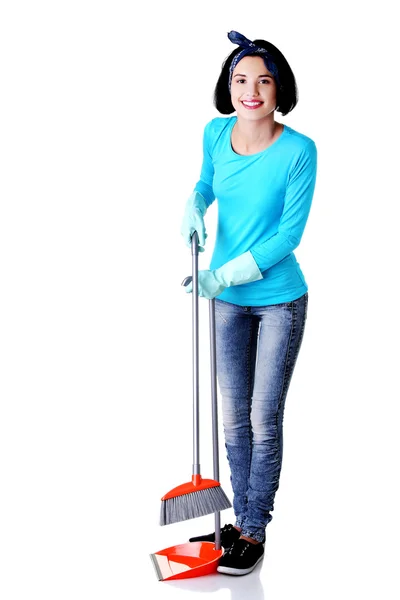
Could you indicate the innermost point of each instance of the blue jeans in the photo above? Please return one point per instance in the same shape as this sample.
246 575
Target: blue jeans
257 349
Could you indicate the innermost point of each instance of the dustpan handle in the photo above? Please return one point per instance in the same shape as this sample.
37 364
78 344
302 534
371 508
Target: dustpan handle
214 413
195 354
213 370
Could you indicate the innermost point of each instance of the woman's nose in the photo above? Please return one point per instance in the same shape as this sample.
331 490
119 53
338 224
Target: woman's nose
252 89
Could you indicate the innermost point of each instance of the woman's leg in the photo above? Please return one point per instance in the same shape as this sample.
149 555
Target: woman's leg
236 341
280 336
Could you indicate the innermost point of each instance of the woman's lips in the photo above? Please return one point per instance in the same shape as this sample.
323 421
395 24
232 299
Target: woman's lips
252 105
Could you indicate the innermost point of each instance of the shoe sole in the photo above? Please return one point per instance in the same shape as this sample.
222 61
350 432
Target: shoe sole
233 571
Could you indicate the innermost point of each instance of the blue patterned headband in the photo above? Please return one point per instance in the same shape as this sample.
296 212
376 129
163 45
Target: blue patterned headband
249 48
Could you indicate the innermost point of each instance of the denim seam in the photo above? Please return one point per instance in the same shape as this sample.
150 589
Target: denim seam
250 383
302 327
285 376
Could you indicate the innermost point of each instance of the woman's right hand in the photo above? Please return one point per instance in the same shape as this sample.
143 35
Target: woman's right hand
193 220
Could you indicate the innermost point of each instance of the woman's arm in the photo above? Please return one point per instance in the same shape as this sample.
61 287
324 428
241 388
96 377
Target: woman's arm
205 184
297 204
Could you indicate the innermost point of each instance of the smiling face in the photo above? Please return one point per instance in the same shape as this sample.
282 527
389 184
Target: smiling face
253 89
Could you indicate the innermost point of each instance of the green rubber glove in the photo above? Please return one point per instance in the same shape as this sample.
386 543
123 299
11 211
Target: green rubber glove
193 220
242 269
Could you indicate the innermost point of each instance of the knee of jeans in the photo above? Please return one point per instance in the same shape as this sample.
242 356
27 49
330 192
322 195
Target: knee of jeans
265 428
235 432
235 411
266 438
237 427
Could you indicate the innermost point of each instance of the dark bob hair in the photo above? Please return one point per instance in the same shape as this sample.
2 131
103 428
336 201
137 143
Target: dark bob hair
286 92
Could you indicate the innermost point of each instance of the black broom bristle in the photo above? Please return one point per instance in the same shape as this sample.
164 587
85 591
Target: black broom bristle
194 504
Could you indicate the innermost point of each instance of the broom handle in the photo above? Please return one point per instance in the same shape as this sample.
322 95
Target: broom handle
195 353
214 413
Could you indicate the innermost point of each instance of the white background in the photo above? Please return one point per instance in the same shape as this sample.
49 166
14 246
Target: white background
103 107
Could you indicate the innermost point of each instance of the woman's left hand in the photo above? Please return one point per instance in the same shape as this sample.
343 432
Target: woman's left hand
208 285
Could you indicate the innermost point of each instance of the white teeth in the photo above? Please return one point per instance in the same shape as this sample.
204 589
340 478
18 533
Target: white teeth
251 103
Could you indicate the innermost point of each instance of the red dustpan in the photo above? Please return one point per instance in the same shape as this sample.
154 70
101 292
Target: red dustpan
194 559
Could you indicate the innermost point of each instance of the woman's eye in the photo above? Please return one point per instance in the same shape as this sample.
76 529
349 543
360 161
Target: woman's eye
261 81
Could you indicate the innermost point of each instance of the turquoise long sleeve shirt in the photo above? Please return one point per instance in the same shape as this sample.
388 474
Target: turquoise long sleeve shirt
264 200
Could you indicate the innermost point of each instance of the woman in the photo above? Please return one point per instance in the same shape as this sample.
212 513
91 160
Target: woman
263 174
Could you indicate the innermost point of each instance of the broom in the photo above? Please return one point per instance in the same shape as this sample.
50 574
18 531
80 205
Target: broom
199 496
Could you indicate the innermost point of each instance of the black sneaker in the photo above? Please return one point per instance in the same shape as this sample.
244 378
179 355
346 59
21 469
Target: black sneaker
228 535
241 558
